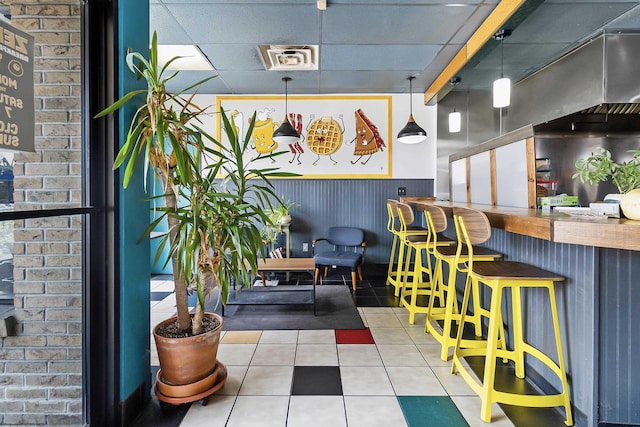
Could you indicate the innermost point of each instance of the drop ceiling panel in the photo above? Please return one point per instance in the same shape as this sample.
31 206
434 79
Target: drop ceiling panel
237 57
376 57
254 23
187 78
467 29
166 26
556 23
407 24
364 81
270 82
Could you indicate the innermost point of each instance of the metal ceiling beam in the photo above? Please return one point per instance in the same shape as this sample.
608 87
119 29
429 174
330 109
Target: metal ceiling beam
488 28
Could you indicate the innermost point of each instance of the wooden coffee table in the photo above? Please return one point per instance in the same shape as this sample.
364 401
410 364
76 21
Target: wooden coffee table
285 264
279 295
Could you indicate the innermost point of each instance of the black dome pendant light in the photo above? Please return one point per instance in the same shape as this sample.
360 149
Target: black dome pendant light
411 133
286 134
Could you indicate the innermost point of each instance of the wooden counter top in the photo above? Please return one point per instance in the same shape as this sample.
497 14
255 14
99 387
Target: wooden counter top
554 226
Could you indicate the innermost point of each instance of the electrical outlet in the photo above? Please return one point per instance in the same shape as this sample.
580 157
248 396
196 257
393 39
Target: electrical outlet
305 247
402 191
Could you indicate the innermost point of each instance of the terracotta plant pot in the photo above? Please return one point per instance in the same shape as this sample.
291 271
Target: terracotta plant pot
187 360
188 389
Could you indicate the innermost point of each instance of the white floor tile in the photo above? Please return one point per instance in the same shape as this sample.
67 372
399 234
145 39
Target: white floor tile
454 384
418 321
263 411
322 336
419 336
374 411
316 355
431 353
279 337
383 320
376 310
415 381
214 414
365 381
274 354
401 355
359 355
316 411
390 336
235 377
236 354
267 381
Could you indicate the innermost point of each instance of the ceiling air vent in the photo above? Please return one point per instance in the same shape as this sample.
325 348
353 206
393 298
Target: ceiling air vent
289 58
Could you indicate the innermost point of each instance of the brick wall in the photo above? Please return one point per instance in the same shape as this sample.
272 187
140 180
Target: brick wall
41 367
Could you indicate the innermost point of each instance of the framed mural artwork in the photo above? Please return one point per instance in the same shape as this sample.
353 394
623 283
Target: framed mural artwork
340 136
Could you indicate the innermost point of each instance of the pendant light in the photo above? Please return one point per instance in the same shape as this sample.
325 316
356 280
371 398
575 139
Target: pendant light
502 86
455 118
411 133
286 134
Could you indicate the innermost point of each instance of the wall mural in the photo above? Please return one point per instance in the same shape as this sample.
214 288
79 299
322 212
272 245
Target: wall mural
340 136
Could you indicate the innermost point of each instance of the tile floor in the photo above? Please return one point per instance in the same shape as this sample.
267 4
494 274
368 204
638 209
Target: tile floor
388 375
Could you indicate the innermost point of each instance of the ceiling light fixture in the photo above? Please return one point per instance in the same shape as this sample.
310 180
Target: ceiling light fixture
455 118
286 134
411 133
502 86
190 57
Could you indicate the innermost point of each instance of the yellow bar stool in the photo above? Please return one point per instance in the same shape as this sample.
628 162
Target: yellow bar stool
456 257
516 277
400 233
414 279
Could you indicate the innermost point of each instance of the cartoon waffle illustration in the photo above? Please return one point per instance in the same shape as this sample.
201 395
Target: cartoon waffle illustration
296 148
324 136
368 139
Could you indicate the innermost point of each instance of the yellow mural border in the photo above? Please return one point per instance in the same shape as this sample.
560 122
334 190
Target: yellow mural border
388 98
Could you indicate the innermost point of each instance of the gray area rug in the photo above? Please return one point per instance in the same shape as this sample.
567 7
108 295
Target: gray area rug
271 309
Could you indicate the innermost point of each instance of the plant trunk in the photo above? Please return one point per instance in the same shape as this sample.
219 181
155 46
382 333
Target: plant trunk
182 304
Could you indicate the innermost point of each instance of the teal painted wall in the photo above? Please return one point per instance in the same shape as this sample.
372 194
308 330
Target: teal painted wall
133 30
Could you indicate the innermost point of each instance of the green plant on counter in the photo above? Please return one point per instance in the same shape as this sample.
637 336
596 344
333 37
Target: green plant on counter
599 167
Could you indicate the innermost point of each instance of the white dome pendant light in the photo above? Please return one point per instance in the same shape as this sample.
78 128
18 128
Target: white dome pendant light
502 86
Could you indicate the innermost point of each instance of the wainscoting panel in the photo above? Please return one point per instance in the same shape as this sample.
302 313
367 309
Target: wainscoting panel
348 202
619 337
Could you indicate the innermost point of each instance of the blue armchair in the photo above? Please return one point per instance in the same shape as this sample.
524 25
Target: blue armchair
347 250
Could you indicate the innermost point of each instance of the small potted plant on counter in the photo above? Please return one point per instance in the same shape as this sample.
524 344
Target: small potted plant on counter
599 167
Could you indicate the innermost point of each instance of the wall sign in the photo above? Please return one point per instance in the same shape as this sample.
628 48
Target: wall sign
17 117
341 136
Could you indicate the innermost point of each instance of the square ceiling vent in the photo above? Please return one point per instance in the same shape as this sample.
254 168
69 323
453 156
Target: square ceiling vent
289 58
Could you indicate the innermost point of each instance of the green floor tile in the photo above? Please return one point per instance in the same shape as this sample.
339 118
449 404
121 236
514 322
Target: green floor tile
426 411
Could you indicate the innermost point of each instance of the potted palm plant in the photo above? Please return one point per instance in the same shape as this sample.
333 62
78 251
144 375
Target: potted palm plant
212 199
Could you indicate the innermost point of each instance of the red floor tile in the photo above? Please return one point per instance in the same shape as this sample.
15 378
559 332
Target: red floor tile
354 336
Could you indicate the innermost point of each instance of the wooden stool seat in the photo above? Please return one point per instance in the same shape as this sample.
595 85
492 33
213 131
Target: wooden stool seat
480 251
506 270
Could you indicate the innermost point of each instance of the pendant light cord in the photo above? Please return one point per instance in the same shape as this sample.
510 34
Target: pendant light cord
502 57
411 95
